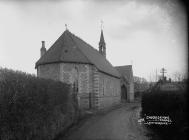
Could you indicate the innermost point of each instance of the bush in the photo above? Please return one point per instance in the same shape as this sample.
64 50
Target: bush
138 94
32 108
167 103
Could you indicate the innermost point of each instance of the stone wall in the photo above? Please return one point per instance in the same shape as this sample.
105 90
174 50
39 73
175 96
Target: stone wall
96 79
130 89
49 71
109 90
82 75
95 89
130 92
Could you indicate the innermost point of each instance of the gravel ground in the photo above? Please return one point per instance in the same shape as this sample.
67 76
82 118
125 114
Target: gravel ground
118 124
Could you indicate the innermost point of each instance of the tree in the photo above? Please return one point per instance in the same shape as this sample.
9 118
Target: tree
179 76
140 84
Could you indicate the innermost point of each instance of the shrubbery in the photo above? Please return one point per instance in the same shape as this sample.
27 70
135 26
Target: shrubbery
167 103
33 108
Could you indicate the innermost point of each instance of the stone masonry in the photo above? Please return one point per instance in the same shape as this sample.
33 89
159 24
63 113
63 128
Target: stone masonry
96 83
95 89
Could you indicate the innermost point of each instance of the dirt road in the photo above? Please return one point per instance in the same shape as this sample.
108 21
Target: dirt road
118 124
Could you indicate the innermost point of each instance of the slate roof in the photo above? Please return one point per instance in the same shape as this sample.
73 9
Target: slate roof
126 71
71 49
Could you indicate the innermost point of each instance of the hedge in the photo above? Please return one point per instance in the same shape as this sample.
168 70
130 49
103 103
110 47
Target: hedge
33 108
167 103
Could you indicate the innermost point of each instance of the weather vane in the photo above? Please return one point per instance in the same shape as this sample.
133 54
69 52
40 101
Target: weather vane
66 26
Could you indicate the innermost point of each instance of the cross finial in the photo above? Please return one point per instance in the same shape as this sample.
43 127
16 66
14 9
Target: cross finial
163 71
101 26
66 26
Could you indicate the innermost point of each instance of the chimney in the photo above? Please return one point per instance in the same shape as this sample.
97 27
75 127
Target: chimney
43 43
43 49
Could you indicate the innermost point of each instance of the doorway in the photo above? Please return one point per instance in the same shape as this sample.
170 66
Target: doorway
123 92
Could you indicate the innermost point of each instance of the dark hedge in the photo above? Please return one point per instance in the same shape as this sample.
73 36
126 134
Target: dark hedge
33 108
167 103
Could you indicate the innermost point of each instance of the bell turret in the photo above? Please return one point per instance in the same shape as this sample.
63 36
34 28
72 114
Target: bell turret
102 45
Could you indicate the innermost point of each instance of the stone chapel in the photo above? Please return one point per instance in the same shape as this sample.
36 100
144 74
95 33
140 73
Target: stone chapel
73 61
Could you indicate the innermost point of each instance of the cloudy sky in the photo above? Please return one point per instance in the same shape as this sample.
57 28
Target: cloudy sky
150 34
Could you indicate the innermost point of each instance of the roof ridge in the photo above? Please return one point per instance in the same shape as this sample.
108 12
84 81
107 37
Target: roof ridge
91 47
123 66
86 43
78 47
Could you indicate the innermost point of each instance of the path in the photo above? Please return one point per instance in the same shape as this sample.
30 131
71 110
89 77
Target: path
118 124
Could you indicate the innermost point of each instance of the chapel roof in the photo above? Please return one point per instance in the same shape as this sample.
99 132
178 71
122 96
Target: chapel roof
126 71
71 49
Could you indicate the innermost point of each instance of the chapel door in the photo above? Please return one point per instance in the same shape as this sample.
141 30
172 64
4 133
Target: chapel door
123 92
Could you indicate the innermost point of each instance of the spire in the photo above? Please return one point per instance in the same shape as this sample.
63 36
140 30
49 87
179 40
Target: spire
102 38
102 44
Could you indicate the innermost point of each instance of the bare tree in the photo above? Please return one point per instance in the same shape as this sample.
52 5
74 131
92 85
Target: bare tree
140 84
179 76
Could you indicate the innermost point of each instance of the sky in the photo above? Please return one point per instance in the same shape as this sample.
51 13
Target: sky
149 34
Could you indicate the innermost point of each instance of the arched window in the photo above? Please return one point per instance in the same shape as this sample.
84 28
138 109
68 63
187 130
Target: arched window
75 75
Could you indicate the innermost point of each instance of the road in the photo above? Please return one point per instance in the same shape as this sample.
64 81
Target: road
118 124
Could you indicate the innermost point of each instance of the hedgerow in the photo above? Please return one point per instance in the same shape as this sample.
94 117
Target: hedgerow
33 108
167 103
